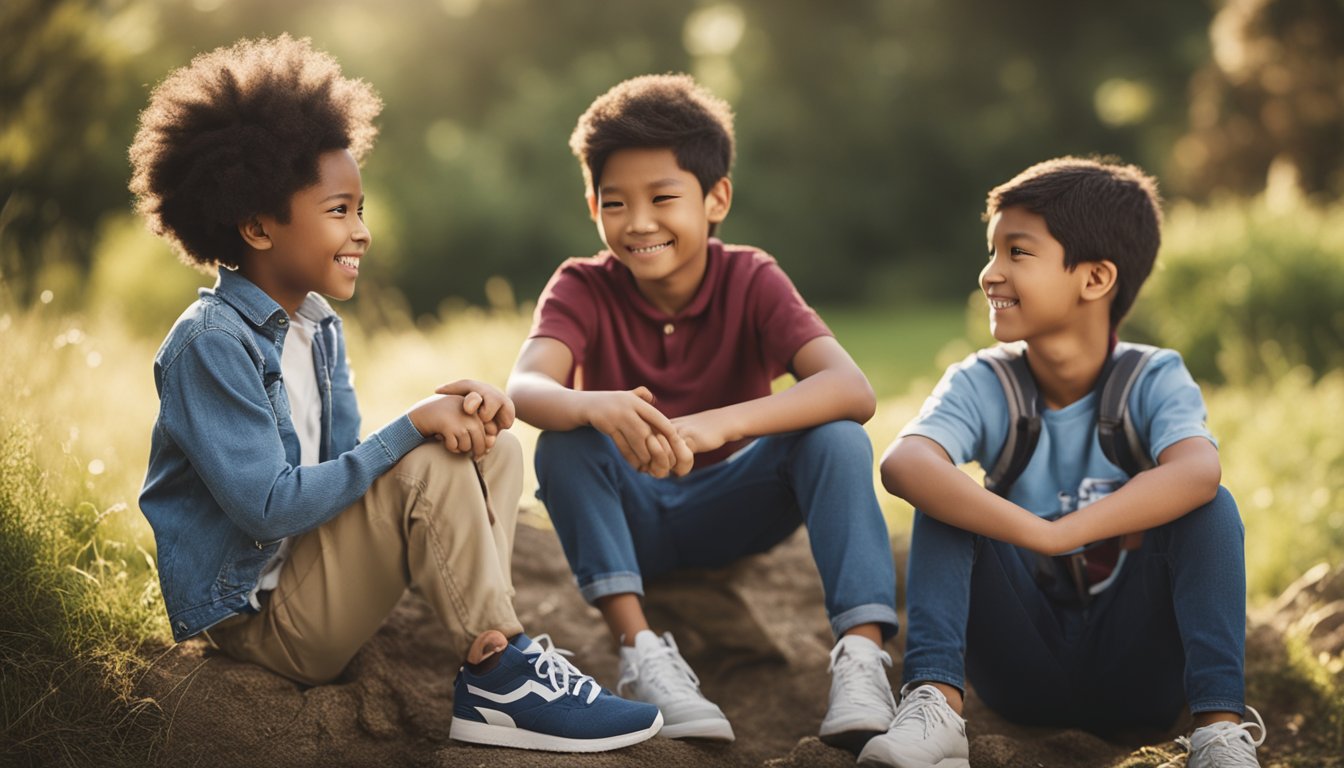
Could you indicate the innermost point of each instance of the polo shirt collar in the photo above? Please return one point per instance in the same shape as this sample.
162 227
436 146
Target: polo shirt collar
703 295
256 306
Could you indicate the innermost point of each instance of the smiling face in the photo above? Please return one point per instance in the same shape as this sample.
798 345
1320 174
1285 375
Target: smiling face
1031 294
655 218
320 247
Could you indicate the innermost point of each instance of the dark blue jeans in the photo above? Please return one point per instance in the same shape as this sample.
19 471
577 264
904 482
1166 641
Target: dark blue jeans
618 525
1170 630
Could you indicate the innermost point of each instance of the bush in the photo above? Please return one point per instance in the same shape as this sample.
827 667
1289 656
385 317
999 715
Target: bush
1246 290
1282 448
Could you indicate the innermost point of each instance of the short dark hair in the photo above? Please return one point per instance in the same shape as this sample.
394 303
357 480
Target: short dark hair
237 133
1098 209
669 111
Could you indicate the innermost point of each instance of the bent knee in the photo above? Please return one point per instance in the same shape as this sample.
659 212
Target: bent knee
844 438
559 448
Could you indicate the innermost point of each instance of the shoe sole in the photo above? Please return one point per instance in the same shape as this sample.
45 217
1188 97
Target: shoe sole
473 732
710 729
853 740
948 762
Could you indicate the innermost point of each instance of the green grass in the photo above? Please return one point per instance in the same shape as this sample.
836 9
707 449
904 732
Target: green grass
900 346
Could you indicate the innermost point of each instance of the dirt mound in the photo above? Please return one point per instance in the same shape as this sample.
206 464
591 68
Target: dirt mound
756 634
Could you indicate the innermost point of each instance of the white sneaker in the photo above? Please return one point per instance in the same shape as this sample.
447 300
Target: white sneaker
925 734
1225 745
653 671
861 704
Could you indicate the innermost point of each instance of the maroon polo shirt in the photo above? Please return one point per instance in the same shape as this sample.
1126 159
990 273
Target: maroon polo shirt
738 334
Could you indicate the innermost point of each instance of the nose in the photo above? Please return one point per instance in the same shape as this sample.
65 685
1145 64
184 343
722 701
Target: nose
361 233
990 274
642 220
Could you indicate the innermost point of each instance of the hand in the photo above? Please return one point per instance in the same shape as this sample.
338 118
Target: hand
486 402
644 436
445 418
702 432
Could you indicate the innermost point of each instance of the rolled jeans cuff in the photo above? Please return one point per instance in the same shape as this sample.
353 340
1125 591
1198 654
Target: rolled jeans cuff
1218 705
618 583
927 675
872 613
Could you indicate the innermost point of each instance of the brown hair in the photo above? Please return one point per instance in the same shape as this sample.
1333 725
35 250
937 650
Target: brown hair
1098 209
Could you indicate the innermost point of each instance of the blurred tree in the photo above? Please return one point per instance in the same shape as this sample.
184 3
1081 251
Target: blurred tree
65 123
869 131
1272 96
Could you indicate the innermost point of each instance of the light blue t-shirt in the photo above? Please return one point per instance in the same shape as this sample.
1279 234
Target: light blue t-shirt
967 415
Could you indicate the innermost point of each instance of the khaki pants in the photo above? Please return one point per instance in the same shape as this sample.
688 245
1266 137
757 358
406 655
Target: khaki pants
437 522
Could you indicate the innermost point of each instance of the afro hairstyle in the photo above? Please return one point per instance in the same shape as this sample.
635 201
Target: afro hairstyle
237 133
669 111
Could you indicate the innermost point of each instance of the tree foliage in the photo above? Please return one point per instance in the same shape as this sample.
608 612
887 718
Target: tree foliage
868 131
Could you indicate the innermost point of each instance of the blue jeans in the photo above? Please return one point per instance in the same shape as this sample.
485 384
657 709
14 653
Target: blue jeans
618 525
1170 630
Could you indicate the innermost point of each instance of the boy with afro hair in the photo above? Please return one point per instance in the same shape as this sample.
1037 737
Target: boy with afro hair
279 531
649 366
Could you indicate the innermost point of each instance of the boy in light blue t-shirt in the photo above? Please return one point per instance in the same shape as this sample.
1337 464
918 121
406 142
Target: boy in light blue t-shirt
1070 243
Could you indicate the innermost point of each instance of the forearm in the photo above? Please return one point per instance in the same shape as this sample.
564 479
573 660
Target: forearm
1148 500
545 403
925 477
824 397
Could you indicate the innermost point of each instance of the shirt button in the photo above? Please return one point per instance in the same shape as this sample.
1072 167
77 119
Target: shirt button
668 329
283 321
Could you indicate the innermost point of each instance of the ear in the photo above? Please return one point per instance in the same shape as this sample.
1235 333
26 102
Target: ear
254 234
591 197
719 200
1101 277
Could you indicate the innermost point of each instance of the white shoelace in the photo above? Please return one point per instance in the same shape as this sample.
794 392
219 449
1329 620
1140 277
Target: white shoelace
552 665
666 670
853 674
1221 744
927 707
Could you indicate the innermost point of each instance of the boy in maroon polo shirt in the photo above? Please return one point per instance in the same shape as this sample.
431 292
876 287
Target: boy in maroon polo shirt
649 369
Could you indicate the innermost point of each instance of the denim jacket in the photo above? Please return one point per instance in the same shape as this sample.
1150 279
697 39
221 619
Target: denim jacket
224 485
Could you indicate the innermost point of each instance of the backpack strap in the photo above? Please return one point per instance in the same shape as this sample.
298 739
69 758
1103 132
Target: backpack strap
1009 363
1116 433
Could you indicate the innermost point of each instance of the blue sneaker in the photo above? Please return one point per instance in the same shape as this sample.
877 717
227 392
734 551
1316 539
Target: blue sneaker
535 698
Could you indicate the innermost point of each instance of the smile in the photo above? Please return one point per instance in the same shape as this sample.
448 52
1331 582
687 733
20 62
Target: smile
350 262
649 248
1002 303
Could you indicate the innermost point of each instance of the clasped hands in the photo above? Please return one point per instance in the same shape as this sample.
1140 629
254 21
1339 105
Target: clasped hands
465 416
648 440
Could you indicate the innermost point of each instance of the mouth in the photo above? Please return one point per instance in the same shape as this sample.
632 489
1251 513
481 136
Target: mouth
349 260
1000 303
645 250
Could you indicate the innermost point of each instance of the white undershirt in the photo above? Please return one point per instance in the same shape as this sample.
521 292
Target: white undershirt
298 373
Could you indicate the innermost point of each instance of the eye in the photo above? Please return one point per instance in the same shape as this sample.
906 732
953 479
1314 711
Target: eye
341 209
1015 251
664 198
360 212
611 204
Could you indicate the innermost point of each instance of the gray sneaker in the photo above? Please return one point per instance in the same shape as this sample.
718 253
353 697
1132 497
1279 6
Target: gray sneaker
654 671
1225 745
861 704
926 733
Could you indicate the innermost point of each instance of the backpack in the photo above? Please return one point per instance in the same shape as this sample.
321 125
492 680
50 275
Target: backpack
1076 577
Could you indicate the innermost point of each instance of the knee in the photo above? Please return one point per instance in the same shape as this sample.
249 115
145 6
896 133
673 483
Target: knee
507 450
844 439
562 449
1219 516
428 458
